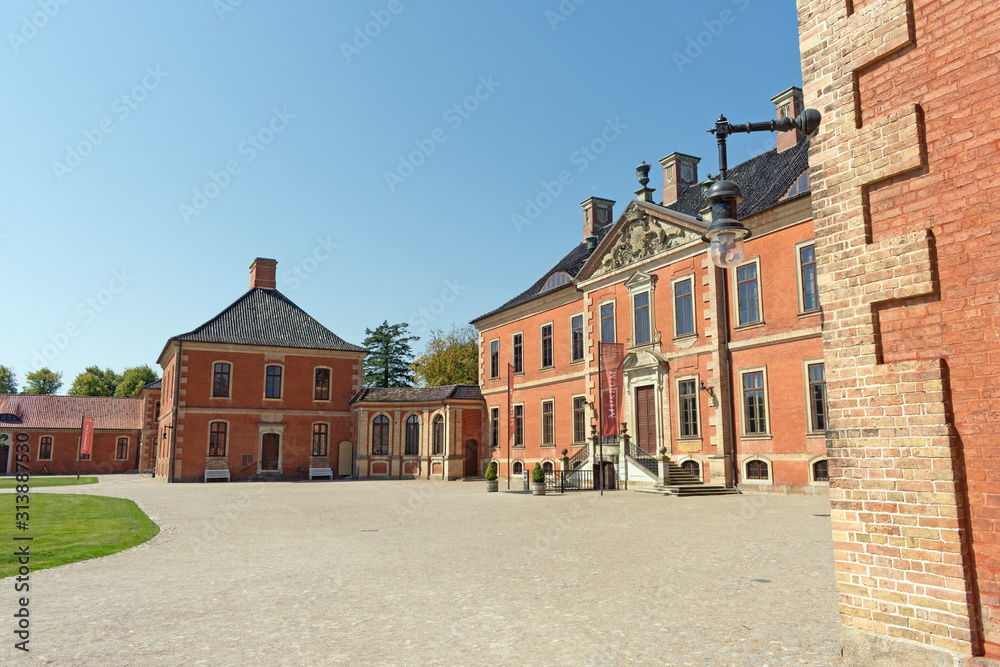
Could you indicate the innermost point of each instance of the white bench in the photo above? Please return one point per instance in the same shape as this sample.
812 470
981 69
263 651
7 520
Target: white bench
320 472
216 474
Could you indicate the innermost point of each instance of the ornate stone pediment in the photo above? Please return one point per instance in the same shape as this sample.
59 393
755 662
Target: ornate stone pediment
641 238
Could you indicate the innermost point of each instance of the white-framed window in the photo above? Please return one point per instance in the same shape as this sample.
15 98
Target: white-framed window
273 378
641 287
691 467
641 319
321 383
808 284
494 358
218 437
747 309
222 379
519 424
437 434
494 427
576 337
579 419
548 423
412 435
121 448
545 343
45 448
607 313
814 377
687 408
757 470
518 468
380 435
753 402
682 298
517 351
320 439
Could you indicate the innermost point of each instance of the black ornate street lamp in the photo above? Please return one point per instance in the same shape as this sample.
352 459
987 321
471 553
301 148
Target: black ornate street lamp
726 234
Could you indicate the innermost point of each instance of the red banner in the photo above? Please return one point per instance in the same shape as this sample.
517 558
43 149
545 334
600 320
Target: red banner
510 401
87 438
612 366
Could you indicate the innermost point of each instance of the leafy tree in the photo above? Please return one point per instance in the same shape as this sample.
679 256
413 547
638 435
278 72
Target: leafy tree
42 382
450 358
133 380
388 363
8 381
95 382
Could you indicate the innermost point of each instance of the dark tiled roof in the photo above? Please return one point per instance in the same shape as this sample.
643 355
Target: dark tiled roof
267 317
570 264
157 384
763 180
66 411
418 394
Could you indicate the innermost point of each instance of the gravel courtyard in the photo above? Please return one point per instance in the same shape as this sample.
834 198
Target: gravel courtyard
441 573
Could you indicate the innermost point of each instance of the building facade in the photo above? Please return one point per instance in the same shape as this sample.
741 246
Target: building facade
904 198
723 369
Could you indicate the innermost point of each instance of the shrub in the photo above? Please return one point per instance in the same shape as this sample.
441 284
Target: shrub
537 475
491 471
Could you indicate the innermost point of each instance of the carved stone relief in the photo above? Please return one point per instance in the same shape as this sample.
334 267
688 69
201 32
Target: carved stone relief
642 238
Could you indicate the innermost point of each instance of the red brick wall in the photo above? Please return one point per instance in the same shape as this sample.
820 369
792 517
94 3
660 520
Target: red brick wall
65 445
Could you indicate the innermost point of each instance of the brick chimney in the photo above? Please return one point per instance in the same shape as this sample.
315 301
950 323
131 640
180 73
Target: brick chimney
680 172
788 104
262 272
597 213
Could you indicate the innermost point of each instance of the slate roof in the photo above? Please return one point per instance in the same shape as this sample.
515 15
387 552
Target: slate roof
156 384
267 317
763 180
418 394
54 412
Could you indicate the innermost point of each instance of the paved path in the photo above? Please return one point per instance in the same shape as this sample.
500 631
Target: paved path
441 573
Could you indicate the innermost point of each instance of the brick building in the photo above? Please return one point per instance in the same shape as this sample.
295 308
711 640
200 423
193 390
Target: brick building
51 427
904 198
723 370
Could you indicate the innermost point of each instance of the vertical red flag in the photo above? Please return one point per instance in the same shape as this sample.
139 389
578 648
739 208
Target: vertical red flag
87 437
612 366
510 400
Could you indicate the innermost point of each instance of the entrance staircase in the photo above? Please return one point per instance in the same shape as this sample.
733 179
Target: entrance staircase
681 483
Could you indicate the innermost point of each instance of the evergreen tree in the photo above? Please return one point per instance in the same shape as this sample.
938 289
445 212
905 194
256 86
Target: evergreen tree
388 362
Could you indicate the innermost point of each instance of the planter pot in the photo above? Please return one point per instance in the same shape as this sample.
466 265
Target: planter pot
538 489
492 485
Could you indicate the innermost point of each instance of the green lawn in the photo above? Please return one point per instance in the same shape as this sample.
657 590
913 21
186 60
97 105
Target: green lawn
68 528
11 482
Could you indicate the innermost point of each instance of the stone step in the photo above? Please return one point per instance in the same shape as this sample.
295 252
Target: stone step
685 491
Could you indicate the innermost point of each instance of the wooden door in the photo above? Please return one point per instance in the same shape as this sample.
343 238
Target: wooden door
645 419
269 451
471 458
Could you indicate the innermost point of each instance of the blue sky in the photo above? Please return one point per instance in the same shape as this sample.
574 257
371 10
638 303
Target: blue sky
378 150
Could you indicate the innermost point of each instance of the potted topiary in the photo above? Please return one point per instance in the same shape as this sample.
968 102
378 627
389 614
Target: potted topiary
538 480
492 484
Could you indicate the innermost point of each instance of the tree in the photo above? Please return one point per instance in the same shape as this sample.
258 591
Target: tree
133 379
450 358
42 382
8 381
95 382
388 363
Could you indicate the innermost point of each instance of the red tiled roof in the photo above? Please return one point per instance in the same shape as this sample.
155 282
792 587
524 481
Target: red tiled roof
66 411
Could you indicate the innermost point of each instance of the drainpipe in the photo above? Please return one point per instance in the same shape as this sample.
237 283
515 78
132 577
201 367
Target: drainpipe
177 396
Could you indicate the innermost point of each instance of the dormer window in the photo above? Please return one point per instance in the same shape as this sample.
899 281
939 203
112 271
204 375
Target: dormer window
8 418
800 185
557 279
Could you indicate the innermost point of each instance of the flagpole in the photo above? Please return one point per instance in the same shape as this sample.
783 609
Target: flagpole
510 421
600 415
79 450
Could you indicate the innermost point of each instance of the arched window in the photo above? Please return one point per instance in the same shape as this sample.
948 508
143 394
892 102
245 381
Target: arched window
217 438
691 467
439 435
9 418
821 471
412 435
518 468
757 470
380 435
547 467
